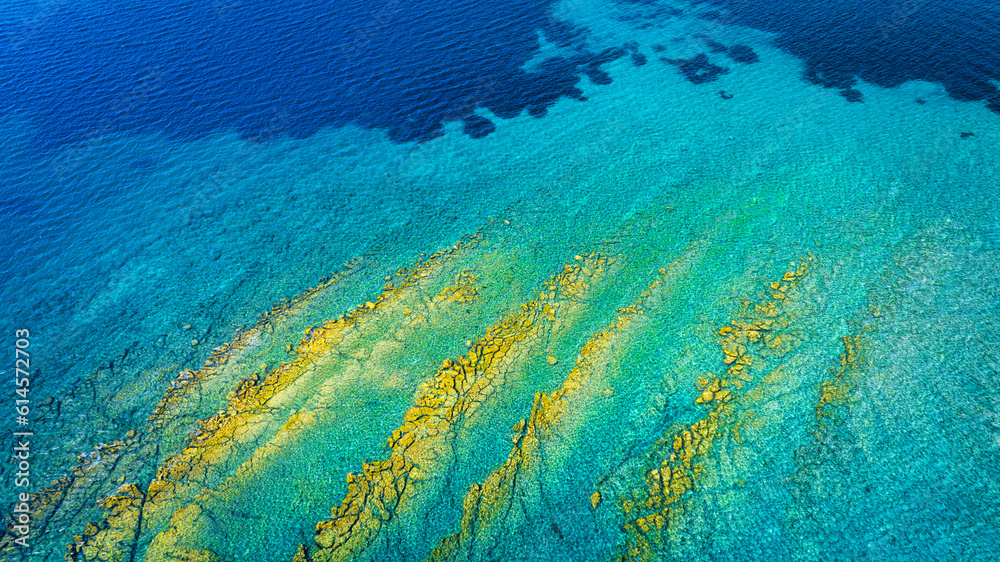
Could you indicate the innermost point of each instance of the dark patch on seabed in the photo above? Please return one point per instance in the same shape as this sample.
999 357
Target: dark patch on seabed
954 43
287 67
738 53
646 14
697 69
700 70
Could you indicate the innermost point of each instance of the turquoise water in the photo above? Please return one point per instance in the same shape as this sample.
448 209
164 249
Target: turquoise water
133 251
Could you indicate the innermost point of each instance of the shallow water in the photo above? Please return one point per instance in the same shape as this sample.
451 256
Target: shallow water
670 295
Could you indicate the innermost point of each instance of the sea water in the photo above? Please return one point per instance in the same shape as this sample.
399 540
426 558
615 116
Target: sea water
664 176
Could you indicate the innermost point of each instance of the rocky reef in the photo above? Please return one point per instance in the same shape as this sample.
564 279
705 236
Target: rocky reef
651 397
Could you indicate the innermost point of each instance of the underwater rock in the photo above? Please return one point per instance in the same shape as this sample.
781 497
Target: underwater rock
537 111
698 70
598 76
852 95
477 126
714 46
742 53
738 53
420 448
831 78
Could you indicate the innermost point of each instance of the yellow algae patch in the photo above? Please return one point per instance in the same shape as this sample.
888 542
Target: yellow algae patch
262 456
464 289
92 470
595 499
186 380
174 550
288 308
249 410
420 447
301 555
812 478
216 434
485 501
650 510
837 390
113 538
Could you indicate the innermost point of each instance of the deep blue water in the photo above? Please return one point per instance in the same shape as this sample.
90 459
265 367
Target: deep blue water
956 44
285 67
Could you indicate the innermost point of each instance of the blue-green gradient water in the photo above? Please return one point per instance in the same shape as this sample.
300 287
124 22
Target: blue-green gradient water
170 173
